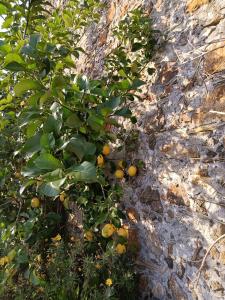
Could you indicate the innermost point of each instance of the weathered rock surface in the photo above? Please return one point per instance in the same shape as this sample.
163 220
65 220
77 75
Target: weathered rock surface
177 202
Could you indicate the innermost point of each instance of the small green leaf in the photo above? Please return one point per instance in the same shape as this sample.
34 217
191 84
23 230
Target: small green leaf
151 71
51 189
25 85
47 161
25 185
137 83
85 172
14 67
47 141
73 121
95 122
123 112
3 9
52 124
34 39
32 145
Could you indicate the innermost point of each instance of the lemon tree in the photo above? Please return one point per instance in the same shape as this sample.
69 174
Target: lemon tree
54 143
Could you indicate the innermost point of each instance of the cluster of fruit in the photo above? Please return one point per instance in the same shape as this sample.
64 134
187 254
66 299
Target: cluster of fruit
107 231
120 172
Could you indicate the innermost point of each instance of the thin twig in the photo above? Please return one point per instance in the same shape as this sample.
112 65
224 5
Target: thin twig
27 19
205 257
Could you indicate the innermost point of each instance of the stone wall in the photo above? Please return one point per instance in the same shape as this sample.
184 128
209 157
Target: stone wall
177 202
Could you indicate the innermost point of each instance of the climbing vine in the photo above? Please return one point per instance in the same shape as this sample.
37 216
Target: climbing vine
55 135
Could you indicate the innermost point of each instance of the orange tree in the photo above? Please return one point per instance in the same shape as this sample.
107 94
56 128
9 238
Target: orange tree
53 127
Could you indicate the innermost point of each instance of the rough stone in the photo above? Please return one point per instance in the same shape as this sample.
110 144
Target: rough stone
195 4
132 214
215 61
177 292
158 291
176 194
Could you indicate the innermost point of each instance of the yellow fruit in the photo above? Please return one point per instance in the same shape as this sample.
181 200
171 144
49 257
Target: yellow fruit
121 164
62 197
35 202
17 175
57 238
119 174
106 150
108 282
89 235
4 260
120 249
123 232
132 171
108 230
98 266
100 160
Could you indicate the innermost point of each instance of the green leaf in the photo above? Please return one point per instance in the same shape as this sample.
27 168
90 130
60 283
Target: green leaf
3 9
137 83
47 161
136 47
32 145
53 124
14 67
80 147
73 121
151 71
8 21
112 103
47 141
51 189
123 112
34 39
25 185
85 172
124 85
13 57
95 122
25 85
53 176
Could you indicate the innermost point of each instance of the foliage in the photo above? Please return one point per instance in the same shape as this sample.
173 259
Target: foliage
53 125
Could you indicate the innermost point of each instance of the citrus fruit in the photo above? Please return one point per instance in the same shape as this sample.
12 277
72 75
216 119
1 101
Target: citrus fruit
100 160
120 249
62 197
106 150
108 230
35 202
132 171
123 232
119 174
88 235
108 282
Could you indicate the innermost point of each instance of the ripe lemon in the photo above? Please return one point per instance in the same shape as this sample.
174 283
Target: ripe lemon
119 174
98 266
108 230
17 175
62 197
35 202
57 238
132 171
89 235
108 282
100 160
123 232
106 150
120 249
